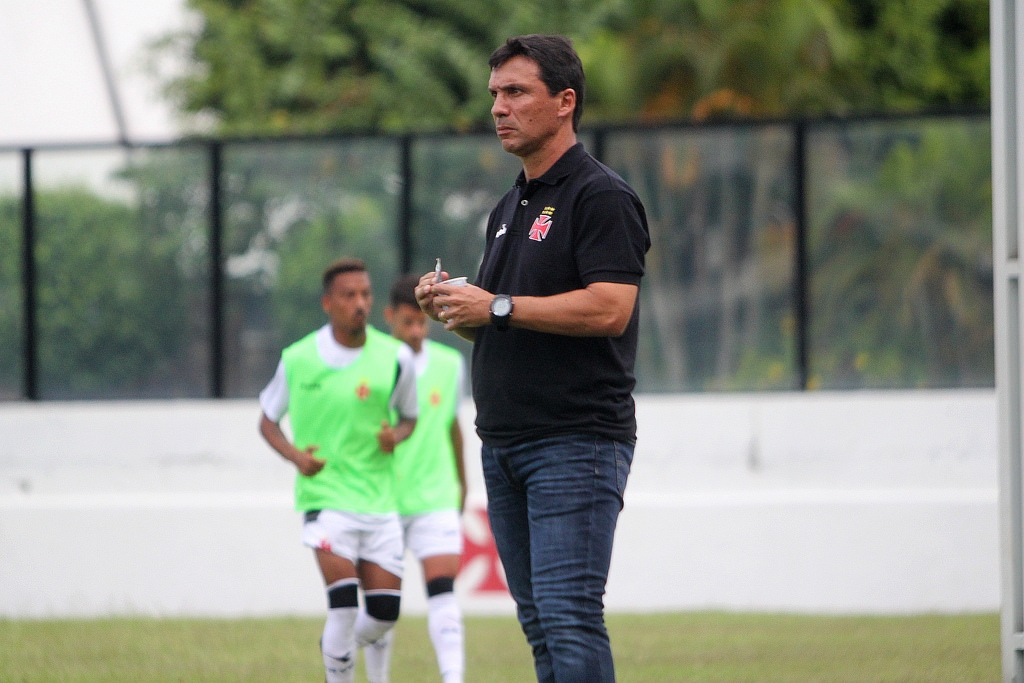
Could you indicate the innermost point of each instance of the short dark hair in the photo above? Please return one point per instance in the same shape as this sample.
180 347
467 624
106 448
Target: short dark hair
344 265
560 66
403 291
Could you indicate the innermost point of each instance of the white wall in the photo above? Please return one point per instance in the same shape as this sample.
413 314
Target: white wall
823 502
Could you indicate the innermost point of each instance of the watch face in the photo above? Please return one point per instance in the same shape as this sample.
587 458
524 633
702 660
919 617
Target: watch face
501 306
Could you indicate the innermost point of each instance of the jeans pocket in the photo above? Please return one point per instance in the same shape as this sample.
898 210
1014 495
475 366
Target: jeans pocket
623 461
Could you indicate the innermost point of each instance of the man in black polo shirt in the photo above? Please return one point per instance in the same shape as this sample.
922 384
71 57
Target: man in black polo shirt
553 315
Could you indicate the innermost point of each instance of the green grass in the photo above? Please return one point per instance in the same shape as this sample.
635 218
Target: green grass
677 647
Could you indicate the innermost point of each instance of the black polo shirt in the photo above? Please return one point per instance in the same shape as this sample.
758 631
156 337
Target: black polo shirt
577 224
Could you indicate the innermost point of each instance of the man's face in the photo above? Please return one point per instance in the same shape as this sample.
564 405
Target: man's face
347 301
525 114
407 323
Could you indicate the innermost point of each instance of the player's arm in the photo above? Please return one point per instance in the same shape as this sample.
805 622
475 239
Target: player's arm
390 436
304 460
274 404
460 463
404 400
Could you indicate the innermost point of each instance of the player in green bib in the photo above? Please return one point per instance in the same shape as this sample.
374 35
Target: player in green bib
430 477
349 392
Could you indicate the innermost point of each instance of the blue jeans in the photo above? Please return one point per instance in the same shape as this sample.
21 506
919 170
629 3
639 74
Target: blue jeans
553 505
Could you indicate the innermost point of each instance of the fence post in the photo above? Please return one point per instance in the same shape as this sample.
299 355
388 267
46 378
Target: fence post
30 342
1007 61
801 300
216 273
405 205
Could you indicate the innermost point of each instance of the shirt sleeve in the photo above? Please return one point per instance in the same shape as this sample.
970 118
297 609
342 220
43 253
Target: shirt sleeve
274 397
614 240
404 398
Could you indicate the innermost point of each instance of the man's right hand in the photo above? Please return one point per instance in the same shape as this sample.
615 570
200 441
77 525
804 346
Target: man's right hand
304 460
425 294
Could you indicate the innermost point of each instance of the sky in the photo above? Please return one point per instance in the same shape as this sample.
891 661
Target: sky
51 81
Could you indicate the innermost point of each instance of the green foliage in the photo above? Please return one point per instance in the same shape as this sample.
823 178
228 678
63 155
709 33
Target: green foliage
717 293
908 54
693 58
901 259
299 66
325 65
291 210
11 302
120 285
899 255
112 303
457 183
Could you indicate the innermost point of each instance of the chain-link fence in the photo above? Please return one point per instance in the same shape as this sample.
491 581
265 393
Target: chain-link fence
832 254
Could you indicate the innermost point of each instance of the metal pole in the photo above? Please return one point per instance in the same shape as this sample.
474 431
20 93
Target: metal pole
405 206
216 272
30 342
800 279
109 81
1005 25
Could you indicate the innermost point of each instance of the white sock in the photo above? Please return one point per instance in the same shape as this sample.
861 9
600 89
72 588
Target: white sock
444 622
338 644
375 638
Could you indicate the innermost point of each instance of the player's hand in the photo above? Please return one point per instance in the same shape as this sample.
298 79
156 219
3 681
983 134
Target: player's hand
387 439
307 463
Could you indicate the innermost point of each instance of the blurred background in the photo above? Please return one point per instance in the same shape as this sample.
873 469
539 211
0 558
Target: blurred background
816 172
816 356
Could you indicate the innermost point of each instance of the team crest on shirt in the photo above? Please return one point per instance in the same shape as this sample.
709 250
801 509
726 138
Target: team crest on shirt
435 398
363 390
541 225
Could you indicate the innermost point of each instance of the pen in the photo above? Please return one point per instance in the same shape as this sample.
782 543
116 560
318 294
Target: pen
437 271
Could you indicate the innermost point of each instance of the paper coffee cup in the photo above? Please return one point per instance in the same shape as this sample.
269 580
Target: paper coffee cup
454 282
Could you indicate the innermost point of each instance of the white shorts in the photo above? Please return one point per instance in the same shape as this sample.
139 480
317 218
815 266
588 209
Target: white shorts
433 533
374 538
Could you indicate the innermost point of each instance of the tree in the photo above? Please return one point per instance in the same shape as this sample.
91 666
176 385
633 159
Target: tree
678 59
908 55
691 58
300 66
312 66
114 305
303 66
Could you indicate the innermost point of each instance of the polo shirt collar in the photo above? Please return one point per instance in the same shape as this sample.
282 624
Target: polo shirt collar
559 169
